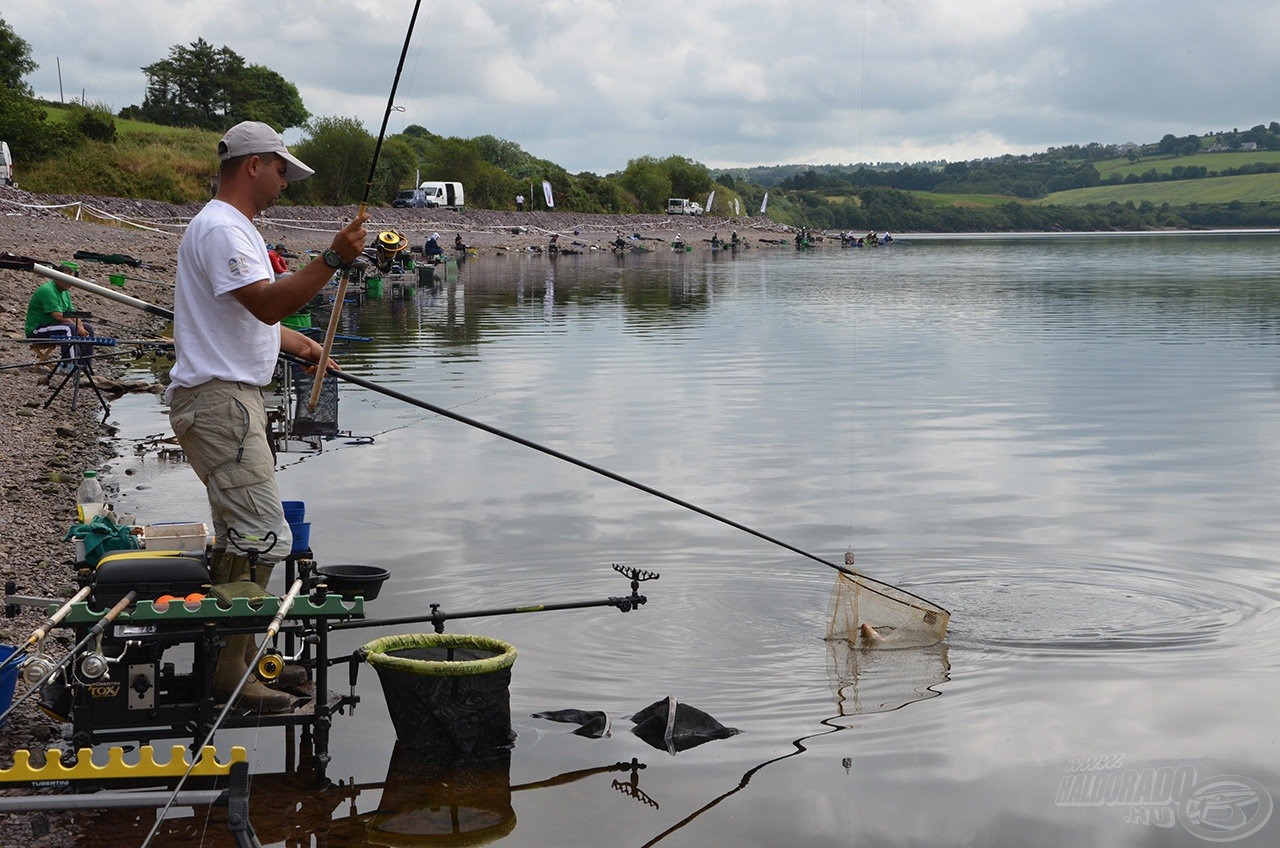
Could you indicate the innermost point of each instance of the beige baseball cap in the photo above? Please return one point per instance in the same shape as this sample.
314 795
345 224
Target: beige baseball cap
256 137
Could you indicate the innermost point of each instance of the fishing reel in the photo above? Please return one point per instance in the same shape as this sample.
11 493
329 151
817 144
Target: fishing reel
55 695
37 667
94 664
387 248
269 667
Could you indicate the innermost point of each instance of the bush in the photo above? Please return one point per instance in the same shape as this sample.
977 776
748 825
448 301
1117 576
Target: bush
95 123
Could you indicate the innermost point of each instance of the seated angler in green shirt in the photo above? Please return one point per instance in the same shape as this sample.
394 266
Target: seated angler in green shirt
50 313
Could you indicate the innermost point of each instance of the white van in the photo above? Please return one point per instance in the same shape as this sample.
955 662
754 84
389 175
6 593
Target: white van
683 206
448 195
6 165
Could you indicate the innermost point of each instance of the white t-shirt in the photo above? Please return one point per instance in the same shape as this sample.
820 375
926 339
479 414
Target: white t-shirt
214 336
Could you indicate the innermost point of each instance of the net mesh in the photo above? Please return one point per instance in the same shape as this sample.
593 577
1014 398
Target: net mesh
869 613
323 421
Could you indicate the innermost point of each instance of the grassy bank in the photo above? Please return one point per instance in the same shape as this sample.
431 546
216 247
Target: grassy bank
172 164
1253 188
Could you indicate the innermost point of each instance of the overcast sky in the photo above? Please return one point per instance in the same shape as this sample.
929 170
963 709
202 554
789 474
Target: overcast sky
590 84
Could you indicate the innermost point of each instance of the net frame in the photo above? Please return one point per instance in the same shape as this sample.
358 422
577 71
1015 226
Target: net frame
869 613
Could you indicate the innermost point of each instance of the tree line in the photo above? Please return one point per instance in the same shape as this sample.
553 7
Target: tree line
211 88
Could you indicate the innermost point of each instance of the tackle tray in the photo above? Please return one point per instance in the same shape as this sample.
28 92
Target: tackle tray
150 574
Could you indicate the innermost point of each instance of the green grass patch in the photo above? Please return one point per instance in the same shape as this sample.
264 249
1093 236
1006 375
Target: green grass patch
1165 164
1254 188
173 167
965 201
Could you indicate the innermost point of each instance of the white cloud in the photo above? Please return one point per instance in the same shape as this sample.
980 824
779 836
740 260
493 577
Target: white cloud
593 83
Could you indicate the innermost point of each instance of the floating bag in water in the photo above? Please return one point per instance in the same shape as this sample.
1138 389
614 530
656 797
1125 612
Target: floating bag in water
672 726
446 692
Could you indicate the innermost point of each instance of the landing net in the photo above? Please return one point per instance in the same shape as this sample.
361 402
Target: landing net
868 613
323 421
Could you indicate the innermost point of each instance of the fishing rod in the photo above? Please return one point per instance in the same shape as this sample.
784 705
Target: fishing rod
286 603
49 623
503 434
336 315
572 460
93 633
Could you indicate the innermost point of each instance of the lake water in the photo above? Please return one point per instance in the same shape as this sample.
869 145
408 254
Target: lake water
1072 443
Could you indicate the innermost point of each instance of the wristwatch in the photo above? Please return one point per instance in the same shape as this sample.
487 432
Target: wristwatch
332 258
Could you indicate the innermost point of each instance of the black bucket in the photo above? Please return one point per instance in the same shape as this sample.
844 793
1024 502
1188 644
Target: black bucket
352 580
446 692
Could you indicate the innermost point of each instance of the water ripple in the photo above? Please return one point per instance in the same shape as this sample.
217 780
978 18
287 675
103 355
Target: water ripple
1086 608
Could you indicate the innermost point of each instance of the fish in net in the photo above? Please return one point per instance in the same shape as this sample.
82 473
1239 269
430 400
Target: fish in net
871 614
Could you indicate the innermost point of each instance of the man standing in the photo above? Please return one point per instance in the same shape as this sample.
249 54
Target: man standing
228 304
519 202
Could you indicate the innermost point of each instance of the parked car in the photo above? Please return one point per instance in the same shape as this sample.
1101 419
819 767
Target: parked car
410 198
431 195
683 206
6 165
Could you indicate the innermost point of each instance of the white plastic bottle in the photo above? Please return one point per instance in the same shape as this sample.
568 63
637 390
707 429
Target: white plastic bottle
90 499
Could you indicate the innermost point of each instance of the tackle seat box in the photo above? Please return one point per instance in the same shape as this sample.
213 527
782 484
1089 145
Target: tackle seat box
175 536
149 573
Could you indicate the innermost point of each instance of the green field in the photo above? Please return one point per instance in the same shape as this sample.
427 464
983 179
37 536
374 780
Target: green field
1254 188
1165 164
146 160
126 127
964 201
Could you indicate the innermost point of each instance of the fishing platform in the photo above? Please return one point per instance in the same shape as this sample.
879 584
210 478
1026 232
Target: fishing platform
149 675
148 626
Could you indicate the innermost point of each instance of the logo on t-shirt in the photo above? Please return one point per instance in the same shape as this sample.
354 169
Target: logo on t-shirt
236 265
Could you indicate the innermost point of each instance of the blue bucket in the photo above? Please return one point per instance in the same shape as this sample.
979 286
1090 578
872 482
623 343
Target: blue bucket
294 511
301 531
8 679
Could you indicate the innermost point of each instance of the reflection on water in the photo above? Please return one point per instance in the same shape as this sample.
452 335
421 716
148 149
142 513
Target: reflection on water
1072 444
459 802
866 680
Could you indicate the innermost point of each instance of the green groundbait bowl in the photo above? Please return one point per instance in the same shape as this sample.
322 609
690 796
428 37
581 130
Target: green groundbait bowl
446 693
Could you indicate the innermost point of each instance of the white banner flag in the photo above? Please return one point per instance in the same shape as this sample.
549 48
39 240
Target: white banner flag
546 191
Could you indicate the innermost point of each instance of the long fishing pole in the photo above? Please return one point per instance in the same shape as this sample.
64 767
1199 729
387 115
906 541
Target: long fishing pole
528 443
336 315
286 603
480 425
49 623
93 633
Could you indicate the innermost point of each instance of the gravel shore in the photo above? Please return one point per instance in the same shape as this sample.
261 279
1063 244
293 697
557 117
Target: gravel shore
44 451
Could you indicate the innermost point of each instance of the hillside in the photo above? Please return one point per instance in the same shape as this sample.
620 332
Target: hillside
1224 179
1251 189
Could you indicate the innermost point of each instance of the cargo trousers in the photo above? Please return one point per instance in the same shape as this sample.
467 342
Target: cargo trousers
222 428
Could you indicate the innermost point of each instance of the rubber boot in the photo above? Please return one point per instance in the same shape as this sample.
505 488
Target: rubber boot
217 567
232 668
292 676
229 568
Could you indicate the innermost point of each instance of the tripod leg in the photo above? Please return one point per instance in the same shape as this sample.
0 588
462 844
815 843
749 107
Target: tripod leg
93 384
65 378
